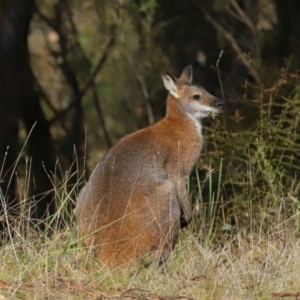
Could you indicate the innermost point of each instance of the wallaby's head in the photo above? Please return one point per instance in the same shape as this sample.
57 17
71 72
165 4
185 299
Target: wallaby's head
194 100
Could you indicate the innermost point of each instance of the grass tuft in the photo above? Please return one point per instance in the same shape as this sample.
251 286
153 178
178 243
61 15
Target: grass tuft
208 262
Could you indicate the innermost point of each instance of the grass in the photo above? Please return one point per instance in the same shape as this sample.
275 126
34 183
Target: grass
208 262
243 268
258 258
243 242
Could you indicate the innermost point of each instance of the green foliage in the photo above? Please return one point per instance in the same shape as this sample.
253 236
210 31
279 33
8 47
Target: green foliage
260 166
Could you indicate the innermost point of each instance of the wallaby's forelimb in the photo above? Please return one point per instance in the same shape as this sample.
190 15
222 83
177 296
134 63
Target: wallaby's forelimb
185 207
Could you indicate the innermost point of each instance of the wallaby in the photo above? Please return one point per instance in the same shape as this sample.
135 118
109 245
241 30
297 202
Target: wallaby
136 195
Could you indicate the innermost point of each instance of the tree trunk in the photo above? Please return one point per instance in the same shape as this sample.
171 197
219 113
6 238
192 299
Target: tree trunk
20 101
9 109
288 12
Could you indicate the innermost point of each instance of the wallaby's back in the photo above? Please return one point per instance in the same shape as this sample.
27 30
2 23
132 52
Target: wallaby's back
134 199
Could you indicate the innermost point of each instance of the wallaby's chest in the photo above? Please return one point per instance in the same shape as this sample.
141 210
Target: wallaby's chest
180 155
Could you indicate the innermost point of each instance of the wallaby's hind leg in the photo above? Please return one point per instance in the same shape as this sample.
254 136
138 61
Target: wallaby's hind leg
183 222
168 242
169 224
152 225
131 243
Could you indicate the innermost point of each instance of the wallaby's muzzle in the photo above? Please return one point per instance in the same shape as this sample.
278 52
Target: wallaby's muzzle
214 104
218 104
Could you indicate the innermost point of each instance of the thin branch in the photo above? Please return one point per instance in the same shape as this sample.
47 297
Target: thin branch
244 18
239 14
89 82
78 92
228 36
44 96
99 65
144 90
227 7
101 117
44 18
50 106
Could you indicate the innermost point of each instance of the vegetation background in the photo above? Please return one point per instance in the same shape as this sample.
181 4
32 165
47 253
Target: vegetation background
76 76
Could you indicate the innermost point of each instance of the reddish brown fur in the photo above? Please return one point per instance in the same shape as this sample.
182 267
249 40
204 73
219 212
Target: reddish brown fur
133 200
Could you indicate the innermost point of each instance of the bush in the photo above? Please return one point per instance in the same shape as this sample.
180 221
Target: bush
256 182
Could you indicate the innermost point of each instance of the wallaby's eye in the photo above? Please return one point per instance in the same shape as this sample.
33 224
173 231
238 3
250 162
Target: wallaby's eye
196 97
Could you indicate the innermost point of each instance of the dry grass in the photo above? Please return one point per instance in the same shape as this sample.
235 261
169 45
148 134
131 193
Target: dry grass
208 263
35 267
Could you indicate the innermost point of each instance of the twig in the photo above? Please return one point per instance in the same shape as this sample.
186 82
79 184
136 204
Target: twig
144 90
89 82
146 295
244 18
219 76
286 294
228 36
101 117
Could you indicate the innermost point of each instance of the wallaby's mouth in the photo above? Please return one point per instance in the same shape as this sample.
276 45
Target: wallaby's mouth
215 111
218 110
209 111
212 114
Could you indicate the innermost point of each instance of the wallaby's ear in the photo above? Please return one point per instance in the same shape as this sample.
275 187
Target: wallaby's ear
187 74
170 83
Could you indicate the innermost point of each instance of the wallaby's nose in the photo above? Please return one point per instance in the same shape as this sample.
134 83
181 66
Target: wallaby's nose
219 103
